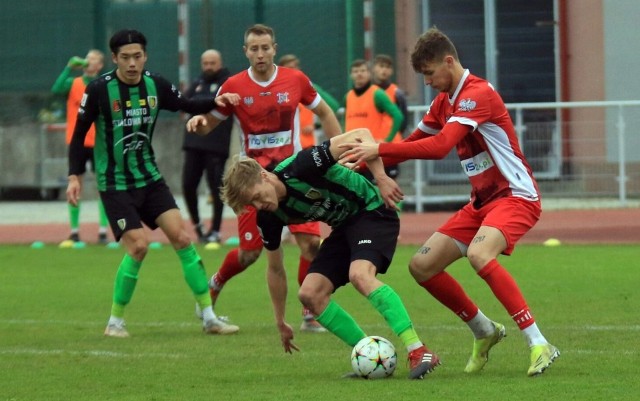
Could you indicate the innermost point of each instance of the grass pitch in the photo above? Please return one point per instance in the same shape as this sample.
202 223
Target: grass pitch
54 304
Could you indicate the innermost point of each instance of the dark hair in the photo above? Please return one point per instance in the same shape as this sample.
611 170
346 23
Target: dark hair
433 45
359 62
126 37
383 59
259 30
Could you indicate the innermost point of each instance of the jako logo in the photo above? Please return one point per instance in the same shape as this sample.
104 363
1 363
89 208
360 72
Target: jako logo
364 241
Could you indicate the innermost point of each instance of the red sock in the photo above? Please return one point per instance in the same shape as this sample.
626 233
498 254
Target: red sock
504 287
303 268
230 267
449 292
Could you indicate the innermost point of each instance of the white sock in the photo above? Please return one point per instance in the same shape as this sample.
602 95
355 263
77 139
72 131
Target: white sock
481 326
208 314
533 336
117 321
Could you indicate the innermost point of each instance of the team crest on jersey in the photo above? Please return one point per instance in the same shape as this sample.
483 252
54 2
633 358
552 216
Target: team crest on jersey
283 97
153 101
313 194
116 106
248 100
467 105
214 87
122 224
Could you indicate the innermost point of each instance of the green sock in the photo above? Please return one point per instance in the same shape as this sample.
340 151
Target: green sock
339 322
126 280
386 301
74 216
103 220
195 275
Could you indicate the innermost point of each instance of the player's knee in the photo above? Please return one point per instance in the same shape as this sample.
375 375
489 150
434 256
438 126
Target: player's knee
306 297
310 298
420 270
180 240
138 249
477 258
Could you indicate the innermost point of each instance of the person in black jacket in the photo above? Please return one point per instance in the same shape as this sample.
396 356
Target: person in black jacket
208 152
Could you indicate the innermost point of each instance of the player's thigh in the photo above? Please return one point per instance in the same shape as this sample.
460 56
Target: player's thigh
170 222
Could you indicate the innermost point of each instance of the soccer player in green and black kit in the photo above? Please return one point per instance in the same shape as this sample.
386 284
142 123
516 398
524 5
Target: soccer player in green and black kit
310 186
124 104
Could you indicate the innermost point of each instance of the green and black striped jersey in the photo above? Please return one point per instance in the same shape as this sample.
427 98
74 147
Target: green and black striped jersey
125 117
318 189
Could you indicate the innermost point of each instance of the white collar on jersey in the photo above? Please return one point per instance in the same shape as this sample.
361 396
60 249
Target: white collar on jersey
264 84
466 73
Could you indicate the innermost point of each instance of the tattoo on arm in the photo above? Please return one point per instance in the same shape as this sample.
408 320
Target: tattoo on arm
424 250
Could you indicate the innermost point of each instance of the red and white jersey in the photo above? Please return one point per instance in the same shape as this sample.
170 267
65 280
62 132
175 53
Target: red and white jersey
489 152
267 113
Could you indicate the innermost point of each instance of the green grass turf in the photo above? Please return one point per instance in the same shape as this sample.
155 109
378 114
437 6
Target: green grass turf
54 305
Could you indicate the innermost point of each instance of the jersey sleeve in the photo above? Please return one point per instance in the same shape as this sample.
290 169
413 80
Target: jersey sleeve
63 83
313 162
171 99
309 96
223 112
270 228
87 114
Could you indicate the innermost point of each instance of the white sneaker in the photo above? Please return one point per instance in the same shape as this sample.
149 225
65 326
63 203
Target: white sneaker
116 330
217 326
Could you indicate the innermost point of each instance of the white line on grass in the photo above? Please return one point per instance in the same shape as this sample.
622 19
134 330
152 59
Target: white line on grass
455 327
107 354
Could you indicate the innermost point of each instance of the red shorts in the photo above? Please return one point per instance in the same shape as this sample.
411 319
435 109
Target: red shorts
250 236
513 216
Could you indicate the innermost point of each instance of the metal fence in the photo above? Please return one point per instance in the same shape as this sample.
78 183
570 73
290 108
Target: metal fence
578 150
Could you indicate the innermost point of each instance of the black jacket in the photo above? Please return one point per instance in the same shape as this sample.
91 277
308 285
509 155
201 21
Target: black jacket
218 140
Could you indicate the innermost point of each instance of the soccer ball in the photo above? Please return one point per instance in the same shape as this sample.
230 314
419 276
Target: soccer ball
374 357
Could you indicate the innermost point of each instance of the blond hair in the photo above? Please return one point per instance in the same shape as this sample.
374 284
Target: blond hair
243 173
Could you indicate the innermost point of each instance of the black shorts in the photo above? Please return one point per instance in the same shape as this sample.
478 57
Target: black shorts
371 236
127 210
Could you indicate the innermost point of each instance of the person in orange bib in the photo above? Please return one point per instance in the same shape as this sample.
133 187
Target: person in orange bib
73 88
382 73
367 106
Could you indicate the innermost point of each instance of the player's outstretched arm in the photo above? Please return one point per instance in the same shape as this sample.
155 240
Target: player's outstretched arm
277 281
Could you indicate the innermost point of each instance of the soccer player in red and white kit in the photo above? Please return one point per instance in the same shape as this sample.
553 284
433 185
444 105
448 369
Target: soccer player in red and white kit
267 112
469 114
